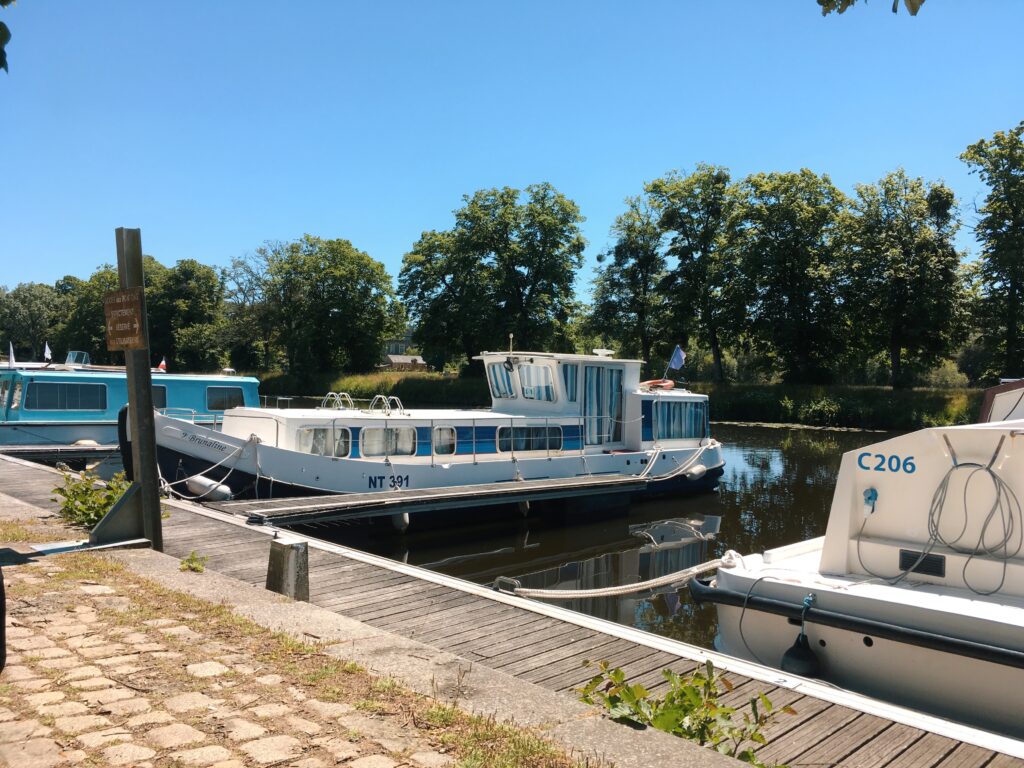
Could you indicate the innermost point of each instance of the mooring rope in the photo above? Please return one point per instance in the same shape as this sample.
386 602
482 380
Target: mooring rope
729 560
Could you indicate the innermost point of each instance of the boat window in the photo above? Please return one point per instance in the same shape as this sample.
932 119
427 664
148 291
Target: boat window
529 439
602 404
159 396
677 421
65 396
389 441
319 441
535 382
16 396
222 398
444 441
500 379
570 375
4 386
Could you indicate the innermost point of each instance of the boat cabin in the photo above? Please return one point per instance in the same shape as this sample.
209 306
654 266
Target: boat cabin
542 405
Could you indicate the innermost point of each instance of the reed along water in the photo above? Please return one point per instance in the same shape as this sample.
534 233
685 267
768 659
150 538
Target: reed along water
777 489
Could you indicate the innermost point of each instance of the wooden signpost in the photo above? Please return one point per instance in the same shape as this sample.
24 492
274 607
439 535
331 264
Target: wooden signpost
136 515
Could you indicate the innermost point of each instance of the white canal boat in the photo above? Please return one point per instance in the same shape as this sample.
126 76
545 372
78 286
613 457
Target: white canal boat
552 416
916 592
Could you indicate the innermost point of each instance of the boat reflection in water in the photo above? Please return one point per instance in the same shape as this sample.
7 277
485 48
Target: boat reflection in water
543 553
777 487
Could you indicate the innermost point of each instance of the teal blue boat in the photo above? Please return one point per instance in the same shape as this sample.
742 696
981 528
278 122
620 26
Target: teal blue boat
76 402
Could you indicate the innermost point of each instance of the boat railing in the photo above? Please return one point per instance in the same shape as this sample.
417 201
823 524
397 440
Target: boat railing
338 401
380 404
179 413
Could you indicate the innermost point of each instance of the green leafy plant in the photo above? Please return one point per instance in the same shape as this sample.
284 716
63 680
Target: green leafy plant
690 709
86 498
194 562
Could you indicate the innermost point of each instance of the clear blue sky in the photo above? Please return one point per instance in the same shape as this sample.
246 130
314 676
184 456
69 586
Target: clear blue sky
215 126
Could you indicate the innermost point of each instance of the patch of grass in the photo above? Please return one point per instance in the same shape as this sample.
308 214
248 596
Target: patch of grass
386 686
195 563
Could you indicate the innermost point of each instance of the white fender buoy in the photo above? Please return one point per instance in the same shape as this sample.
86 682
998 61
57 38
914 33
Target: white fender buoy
208 489
400 521
696 472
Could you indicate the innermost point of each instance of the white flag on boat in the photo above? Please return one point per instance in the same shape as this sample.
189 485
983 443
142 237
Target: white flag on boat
10 354
47 354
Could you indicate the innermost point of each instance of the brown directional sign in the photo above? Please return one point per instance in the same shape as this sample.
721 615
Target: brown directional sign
123 312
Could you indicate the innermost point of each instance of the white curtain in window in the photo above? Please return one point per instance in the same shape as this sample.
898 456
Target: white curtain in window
614 432
570 374
500 379
593 400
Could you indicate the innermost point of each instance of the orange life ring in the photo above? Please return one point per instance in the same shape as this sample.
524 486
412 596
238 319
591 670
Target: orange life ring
658 384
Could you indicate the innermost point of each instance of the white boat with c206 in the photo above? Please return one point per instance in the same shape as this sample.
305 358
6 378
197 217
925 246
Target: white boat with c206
915 594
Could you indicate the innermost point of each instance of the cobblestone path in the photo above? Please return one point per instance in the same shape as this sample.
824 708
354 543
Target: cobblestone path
87 685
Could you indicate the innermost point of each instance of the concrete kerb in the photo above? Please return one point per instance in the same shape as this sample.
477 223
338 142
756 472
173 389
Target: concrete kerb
433 672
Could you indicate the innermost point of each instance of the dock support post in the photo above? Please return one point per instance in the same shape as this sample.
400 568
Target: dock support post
137 513
288 569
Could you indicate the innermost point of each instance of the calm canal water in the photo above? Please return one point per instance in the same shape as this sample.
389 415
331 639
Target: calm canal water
777 489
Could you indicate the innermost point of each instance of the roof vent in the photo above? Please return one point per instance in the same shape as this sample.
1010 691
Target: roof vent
604 352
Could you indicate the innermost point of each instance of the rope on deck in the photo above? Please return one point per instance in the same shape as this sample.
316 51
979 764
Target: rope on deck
729 560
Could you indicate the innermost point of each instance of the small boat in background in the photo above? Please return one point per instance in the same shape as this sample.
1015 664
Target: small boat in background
916 592
553 416
45 404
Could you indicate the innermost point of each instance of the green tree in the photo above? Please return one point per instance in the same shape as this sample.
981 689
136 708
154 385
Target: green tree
840 6
5 37
84 327
332 305
249 327
999 162
904 291
185 305
787 231
704 288
506 267
27 317
627 305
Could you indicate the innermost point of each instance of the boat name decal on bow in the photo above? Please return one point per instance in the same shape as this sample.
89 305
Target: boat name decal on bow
883 463
205 442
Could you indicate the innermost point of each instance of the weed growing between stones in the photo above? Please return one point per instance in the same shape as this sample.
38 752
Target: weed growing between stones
690 709
195 563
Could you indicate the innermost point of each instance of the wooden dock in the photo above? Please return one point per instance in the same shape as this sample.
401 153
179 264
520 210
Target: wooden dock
352 506
60 452
546 645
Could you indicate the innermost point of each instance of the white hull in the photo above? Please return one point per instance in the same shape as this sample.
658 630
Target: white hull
916 592
326 474
947 684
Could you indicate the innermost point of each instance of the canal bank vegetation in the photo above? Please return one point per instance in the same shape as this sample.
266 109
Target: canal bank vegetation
690 709
776 278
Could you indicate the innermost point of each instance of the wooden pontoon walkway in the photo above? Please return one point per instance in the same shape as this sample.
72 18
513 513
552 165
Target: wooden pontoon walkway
508 634
351 506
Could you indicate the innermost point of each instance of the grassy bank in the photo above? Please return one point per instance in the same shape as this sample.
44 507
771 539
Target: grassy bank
835 406
414 389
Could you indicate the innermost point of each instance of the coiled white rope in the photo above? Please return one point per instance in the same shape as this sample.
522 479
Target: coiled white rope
729 560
